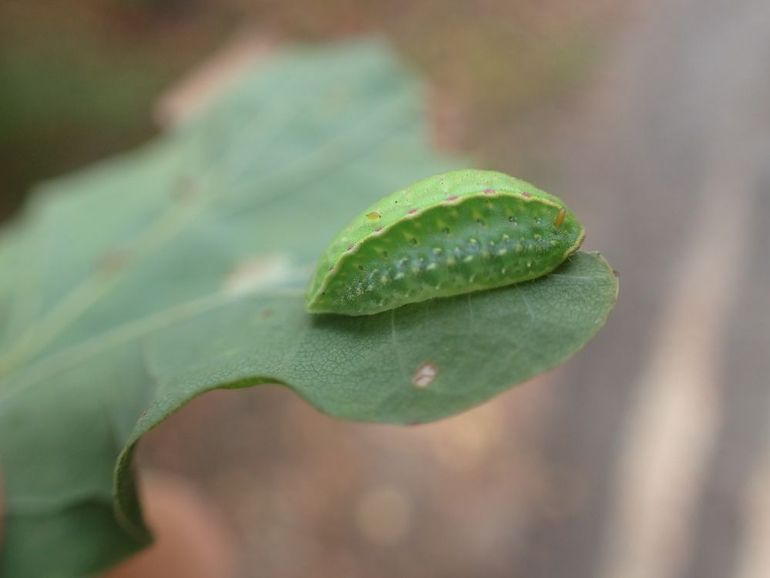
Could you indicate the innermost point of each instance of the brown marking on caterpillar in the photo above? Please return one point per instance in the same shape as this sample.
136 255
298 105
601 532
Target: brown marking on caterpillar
489 191
557 222
526 195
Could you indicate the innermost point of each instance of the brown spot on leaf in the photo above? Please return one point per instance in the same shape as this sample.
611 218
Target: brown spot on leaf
184 189
113 261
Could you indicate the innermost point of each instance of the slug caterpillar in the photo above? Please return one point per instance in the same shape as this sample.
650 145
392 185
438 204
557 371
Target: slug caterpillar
449 234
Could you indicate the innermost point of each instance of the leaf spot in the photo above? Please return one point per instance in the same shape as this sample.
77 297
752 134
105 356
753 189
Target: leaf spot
184 189
425 375
258 273
113 261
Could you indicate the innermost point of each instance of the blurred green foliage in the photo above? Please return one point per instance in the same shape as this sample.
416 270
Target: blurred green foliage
79 79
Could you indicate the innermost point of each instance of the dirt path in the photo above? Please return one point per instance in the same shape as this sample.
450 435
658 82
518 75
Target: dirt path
662 421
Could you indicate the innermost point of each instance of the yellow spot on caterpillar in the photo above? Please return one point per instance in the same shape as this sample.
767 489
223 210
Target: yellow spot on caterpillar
373 216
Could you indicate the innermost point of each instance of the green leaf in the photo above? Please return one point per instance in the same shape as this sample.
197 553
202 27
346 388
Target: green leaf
133 287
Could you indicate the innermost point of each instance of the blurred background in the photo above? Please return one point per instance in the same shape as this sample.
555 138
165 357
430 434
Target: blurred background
645 455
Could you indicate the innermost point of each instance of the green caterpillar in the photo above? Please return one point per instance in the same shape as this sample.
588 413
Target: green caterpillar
446 235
